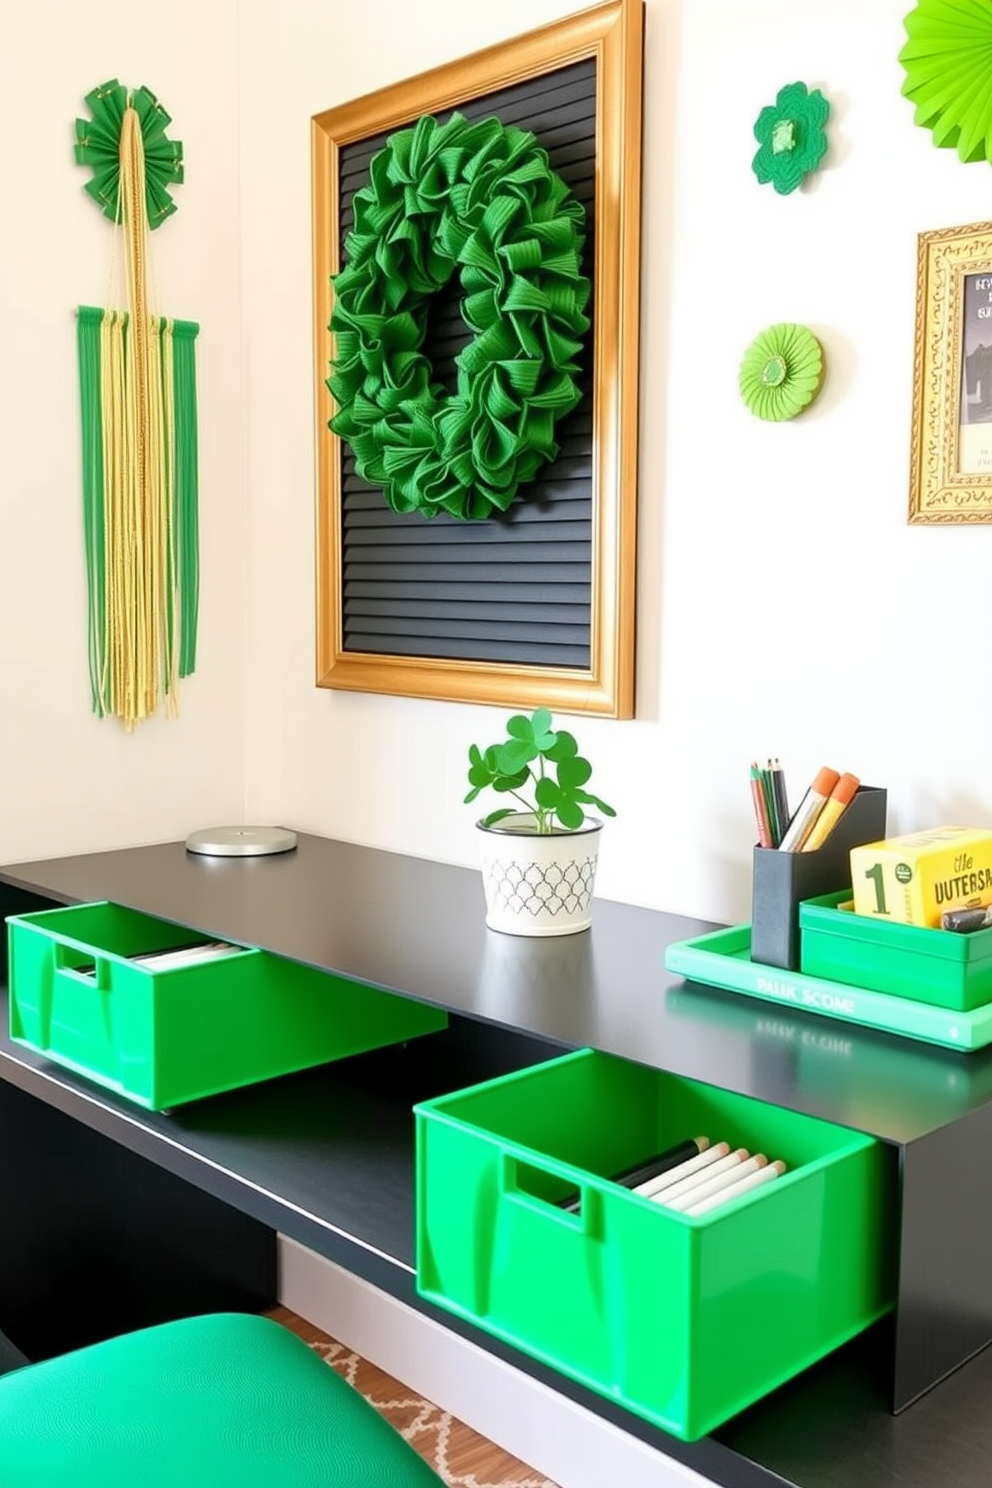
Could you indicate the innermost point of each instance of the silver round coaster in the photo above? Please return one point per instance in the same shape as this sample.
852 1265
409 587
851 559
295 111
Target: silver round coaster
240 842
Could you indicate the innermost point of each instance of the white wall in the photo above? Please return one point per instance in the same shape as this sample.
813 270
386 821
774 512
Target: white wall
68 782
785 607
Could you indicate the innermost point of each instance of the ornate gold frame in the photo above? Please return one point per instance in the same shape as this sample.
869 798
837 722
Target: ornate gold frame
939 492
613 35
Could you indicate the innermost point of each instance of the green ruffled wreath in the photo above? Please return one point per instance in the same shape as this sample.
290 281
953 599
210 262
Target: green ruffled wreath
98 143
480 199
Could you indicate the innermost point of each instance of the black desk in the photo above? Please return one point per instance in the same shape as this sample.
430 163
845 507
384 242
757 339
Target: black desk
326 1157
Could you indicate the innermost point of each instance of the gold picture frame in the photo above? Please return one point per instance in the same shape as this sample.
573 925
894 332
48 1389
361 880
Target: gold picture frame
951 447
612 36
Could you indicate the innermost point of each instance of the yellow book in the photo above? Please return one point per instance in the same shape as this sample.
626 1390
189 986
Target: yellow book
914 879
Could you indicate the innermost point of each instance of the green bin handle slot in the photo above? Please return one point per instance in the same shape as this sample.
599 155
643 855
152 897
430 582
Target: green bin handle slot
586 1220
99 978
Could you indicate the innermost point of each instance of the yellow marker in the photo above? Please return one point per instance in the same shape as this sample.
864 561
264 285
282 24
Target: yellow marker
841 797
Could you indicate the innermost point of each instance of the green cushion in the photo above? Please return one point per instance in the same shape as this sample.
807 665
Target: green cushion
225 1401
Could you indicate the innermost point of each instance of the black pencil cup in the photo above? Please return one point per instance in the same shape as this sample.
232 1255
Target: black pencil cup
782 879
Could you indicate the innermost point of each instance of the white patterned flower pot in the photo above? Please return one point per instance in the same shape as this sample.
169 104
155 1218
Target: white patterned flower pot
538 883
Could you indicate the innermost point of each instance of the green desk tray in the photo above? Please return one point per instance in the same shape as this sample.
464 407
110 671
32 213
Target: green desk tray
164 1037
936 966
723 959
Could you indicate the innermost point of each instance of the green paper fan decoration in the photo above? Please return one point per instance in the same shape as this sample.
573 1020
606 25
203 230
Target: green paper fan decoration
782 372
948 65
98 144
792 137
476 202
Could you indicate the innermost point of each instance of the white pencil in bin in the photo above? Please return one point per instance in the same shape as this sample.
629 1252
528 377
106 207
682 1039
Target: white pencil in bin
718 1184
651 1186
726 1165
742 1186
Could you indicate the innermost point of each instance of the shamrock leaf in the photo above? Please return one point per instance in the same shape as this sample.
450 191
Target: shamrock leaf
547 793
563 748
497 816
573 772
570 814
516 755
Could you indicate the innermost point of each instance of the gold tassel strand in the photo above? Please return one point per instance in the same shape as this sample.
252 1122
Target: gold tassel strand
137 470
139 544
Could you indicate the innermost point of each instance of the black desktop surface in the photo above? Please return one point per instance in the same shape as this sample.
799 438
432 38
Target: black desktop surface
417 927
326 1156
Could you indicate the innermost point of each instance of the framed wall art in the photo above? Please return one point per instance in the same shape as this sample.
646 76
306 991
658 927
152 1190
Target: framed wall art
476 313
951 448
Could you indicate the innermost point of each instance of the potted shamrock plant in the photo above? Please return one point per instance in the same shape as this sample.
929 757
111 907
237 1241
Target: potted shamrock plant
539 855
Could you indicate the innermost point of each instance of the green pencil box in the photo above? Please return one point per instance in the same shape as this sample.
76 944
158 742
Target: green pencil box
939 967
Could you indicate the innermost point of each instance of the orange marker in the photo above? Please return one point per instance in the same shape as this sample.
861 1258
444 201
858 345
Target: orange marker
810 807
841 797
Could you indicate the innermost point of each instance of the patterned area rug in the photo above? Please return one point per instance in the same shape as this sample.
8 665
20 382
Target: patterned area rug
460 1456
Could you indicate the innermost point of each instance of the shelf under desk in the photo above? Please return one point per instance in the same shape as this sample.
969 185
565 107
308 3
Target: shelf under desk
326 1157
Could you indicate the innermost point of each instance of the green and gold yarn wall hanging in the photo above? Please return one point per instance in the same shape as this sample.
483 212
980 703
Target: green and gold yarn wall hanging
791 135
782 372
948 64
139 427
479 200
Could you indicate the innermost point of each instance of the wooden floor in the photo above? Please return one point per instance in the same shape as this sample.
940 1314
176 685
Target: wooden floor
460 1457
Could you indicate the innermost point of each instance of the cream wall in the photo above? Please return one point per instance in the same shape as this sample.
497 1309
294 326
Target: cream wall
70 783
785 606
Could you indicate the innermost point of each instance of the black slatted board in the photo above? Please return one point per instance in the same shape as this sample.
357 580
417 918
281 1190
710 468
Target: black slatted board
515 588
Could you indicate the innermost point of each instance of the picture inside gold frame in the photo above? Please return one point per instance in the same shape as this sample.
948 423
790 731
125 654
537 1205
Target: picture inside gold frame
562 589
951 445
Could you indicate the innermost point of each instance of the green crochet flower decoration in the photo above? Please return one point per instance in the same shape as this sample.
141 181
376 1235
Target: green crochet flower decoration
98 142
948 65
781 372
480 200
792 137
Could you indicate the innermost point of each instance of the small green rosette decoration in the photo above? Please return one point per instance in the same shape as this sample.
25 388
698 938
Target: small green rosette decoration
948 65
98 143
791 134
782 372
477 200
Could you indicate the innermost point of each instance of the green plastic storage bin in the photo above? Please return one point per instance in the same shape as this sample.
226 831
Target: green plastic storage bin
935 966
683 1320
167 1036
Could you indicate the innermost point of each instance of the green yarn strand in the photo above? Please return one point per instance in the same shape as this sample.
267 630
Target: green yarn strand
186 490
477 199
88 325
